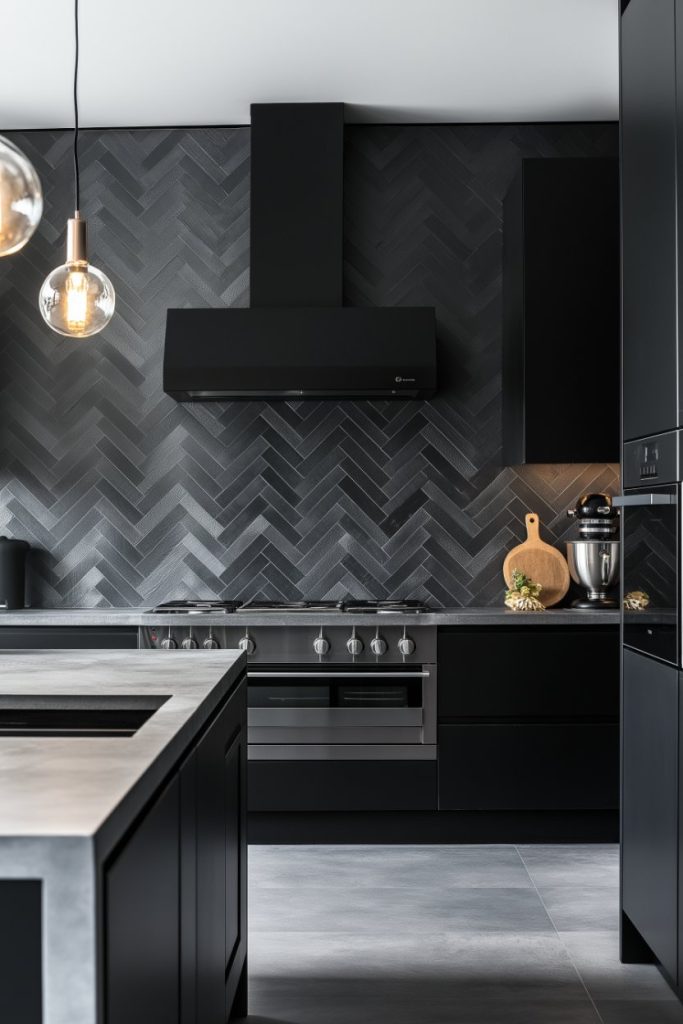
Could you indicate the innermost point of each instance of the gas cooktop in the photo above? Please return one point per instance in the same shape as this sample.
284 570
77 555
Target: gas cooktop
211 606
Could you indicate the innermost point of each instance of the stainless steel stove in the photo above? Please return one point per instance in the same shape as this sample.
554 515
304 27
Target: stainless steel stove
331 685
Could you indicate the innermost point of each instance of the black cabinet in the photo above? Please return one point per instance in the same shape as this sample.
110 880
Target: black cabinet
142 914
547 766
34 638
561 312
528 718
21 973
175 900
650 804
529 672
651 382
219 789
342 785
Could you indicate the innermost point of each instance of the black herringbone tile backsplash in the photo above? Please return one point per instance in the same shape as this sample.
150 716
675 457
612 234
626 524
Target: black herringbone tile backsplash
131 499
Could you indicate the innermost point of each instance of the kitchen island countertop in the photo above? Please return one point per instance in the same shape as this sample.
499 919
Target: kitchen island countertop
77 786
67 802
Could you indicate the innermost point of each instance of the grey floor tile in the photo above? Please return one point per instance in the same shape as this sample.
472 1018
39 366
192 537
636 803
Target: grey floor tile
596 955
469 955
641 1011
589 864
424 935
391 910
582 908
380 866
415 1001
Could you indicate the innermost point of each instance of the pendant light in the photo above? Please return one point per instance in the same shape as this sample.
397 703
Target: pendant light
76 299
21 198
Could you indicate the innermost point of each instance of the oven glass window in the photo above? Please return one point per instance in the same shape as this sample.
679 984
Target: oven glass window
300 692
650 578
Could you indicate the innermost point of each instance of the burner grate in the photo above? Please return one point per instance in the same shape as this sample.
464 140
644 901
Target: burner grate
210 606
214 606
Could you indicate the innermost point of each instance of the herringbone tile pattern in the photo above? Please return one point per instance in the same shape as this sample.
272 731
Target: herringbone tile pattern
130 498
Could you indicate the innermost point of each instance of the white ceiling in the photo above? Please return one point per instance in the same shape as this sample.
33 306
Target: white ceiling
185 62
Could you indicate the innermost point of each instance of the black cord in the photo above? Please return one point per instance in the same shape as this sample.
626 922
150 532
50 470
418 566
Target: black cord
77 183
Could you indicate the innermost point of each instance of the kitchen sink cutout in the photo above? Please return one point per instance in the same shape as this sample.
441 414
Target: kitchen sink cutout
69 715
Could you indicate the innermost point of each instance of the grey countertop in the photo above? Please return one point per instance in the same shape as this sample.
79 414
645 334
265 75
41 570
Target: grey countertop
482 616
61 786
66 802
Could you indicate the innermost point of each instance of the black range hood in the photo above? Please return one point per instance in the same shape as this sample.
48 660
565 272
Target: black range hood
297 340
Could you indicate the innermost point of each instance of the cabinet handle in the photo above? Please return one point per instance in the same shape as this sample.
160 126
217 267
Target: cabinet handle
337 675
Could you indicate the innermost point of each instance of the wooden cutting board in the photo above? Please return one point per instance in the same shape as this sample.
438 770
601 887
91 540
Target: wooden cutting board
539 561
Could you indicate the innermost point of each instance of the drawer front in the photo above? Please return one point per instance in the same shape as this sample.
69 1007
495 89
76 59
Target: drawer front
528 767
68 638
527 671
342 785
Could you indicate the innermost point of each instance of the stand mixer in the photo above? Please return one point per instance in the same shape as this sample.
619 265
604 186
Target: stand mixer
594 559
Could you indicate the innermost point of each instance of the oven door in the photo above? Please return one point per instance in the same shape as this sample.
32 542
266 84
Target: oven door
650 571
305 711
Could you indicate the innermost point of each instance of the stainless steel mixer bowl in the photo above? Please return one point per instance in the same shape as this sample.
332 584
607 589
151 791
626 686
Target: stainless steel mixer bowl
594 564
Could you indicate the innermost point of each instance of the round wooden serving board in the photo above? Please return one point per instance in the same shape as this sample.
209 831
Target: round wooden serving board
541 562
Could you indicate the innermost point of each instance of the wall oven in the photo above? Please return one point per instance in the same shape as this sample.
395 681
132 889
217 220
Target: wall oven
651 547
317 692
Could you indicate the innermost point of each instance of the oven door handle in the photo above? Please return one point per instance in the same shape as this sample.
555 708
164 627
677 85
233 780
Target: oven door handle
626 500
337 675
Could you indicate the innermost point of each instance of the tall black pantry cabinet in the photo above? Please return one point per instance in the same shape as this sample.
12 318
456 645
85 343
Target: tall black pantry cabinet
652 204
651 48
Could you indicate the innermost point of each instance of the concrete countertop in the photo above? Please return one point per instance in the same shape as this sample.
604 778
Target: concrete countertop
66 802
72 786
481 616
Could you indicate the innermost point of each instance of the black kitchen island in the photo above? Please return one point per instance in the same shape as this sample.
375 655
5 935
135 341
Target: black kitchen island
122 837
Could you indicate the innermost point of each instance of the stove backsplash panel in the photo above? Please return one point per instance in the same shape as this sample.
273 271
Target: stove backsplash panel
131 499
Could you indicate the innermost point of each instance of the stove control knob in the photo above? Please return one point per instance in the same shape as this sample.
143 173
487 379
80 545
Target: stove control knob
406 646
169 644
378 646
189 644
247 644
321 645
354 645
210 644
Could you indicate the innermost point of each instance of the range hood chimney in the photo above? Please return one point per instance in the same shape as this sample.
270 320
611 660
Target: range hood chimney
297 340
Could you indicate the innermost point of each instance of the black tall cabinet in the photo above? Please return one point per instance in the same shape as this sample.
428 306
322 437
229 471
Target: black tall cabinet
650 81
652 195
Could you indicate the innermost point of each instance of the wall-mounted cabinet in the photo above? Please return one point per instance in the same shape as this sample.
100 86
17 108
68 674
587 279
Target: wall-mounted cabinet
561 312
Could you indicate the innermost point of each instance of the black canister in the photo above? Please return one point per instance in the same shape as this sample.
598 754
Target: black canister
13 572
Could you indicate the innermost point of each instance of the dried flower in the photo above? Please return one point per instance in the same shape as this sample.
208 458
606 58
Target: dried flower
523 594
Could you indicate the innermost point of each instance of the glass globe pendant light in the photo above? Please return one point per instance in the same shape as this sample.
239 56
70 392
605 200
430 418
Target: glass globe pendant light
21 198
77 299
